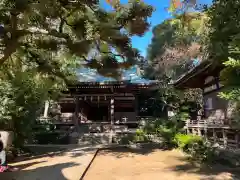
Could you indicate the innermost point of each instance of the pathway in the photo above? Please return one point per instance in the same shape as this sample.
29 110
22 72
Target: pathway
67 165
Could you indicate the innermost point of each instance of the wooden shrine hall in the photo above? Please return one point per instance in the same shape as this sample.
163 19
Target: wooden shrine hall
97 104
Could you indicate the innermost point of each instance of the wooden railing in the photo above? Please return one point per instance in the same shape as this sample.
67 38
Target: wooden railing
205 123
224 135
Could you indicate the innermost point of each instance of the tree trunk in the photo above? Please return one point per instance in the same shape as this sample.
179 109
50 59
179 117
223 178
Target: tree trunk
46 107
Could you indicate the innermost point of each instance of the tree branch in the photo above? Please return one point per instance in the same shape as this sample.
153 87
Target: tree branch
60 29
119 55
12 41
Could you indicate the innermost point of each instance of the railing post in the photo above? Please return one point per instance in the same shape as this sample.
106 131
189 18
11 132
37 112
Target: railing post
236 139
76 113
187 122
199 131
112 119
214 136
224 138
205 128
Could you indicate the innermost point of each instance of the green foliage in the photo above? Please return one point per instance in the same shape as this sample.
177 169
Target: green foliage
195 146
223 45
43 42
50 138
183 140
22 96
141 136
41 31
171 45
165 129
170 54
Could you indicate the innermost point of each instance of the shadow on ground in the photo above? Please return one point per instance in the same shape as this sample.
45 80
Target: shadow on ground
51 162
51 151
141 149
182 164
41 173
208 171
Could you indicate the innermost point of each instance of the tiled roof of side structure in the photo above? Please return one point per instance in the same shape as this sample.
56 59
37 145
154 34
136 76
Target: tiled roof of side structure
131 75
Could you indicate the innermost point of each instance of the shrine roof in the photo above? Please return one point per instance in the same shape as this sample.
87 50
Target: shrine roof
130 76
195 77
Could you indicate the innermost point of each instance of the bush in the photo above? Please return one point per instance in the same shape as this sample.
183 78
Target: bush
126 139
185 140
50 138
140 136
195 146
167 135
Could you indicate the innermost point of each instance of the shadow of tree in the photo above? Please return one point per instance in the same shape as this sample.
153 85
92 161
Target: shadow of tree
41 173
181 164
45 151
25 165
209 171
142 149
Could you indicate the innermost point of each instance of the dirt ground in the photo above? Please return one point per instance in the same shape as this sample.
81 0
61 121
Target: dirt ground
67 165
129 164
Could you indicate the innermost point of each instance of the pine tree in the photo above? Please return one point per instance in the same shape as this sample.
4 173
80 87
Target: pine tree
38 32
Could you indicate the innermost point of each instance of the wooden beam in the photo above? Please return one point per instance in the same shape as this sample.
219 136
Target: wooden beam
76 113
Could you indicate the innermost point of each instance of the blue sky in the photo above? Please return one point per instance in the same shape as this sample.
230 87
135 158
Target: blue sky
158 16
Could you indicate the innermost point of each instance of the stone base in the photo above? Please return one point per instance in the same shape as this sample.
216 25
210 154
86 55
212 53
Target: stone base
6 138
93 138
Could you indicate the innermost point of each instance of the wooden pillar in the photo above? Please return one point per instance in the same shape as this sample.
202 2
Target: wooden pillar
205 129
76 113
46 107
214 136
198 129
111 119
186 125
237 139
224 138
136 105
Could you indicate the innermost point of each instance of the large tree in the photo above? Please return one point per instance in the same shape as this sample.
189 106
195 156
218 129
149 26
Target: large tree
223 45
175 44
38 32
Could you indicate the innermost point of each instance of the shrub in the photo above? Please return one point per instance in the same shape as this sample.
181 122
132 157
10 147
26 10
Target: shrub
184 140
126 139
50 138
167 135
140 136
195 146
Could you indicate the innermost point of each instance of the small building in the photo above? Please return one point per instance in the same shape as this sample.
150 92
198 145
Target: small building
100 105
215 123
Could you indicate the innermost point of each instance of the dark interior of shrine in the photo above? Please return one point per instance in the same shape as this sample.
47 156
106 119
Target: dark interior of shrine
98 113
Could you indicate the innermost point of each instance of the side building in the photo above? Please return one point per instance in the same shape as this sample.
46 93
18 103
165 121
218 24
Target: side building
216 122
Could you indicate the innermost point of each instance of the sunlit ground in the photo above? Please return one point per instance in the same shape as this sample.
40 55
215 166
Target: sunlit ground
126 164
116 164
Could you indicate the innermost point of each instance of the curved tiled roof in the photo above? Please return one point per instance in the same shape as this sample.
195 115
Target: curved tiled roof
91 75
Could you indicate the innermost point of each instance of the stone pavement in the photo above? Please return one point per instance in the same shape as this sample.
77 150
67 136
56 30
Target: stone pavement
67 165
